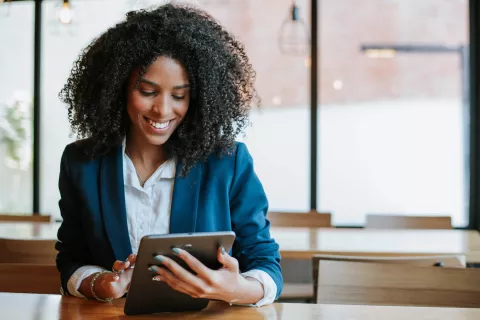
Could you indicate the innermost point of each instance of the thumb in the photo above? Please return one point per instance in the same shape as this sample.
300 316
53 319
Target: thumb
228 261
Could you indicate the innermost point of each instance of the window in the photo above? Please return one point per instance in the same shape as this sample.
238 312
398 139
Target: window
16 109
61 45
278 138
393 130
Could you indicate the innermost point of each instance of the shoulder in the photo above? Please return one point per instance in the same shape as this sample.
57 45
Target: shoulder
233 156
77 151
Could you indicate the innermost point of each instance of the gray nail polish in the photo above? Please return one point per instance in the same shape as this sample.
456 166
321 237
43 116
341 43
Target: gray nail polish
223 250
176 251
153 269
159 258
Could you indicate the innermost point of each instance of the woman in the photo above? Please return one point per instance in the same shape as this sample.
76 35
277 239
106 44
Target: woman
159 99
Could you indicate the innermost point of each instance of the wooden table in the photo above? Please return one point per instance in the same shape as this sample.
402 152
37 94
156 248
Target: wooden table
32 306
302 243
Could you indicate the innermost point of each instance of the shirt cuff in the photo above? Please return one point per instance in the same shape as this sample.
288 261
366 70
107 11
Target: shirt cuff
78 276
269 286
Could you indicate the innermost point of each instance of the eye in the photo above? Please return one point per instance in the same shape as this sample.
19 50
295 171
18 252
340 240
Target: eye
147 93
178 97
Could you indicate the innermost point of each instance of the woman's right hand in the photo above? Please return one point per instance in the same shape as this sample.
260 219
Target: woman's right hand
111 284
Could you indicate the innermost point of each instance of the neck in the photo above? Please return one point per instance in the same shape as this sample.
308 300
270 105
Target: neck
143 153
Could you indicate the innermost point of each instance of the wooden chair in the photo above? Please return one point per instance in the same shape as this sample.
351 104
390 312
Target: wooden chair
449 261
25 278
345 282
296 273
310 219
27 251
380 221
25 218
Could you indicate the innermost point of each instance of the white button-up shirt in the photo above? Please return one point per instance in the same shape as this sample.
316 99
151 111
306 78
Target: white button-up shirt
148 212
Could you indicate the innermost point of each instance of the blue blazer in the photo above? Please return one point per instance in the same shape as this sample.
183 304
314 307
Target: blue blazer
221 194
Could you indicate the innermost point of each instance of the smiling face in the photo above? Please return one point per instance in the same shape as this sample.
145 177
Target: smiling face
159 103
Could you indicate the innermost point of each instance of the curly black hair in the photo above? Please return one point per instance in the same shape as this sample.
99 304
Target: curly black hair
220 75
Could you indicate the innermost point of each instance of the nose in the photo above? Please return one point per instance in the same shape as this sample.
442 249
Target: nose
162 105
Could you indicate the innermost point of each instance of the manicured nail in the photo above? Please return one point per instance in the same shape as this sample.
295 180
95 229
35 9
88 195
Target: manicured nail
116 278
159 258
153 269
223 250
176 251
157 278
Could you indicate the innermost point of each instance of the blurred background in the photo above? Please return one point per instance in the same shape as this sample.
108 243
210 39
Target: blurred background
378 121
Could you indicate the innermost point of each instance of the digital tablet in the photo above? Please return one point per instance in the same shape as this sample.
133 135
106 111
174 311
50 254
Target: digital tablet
147 296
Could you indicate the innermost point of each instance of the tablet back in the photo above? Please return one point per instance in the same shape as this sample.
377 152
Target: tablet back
148 296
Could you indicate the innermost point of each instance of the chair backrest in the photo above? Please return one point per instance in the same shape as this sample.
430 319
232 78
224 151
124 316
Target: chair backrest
25 218
28 251
27 278
448 261
311 219
380 221
344 282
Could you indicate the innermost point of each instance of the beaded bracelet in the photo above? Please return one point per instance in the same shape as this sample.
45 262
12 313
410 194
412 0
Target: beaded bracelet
92 286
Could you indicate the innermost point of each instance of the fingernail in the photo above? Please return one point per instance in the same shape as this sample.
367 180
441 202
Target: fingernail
176 251
159 258
223 250
153 269
116 278
156 279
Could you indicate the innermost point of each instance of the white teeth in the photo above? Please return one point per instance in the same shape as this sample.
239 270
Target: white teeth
158 125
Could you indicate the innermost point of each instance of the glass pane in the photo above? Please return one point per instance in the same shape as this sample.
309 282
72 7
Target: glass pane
16 108
393 123
279 128
278 138
61 45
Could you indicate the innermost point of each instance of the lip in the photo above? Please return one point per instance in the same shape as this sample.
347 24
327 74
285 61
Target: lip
155 130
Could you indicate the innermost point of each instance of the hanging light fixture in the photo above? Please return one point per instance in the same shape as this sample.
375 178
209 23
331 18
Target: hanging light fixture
294 38
65 13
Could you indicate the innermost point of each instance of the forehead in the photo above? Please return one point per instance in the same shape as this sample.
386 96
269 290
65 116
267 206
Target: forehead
165 70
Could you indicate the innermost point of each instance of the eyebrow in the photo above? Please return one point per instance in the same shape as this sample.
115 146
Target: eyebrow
183 86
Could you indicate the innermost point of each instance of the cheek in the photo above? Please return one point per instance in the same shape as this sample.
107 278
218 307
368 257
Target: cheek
183 109
137 104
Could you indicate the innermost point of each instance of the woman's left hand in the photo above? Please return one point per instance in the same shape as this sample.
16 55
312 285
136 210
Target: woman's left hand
224 284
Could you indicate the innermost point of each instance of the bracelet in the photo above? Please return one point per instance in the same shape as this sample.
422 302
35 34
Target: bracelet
92 287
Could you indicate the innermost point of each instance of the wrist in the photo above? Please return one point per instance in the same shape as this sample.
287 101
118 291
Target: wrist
97 290
249 291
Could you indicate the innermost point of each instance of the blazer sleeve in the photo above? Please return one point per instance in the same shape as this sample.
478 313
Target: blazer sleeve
71 245
253 247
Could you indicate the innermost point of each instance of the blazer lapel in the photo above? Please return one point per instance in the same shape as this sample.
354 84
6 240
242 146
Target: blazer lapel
186 191
113 203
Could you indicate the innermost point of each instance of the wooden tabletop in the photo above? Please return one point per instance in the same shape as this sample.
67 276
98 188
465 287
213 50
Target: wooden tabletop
302 243
35 306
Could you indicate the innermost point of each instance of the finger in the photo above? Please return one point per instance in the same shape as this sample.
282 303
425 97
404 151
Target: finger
200 269
175 283
131 259
119 266
179 272
228 261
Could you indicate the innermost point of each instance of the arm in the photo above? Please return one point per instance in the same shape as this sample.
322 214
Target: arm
74 260
73 252
253 248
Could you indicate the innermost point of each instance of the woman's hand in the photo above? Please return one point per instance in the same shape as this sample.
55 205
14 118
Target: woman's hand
224 284
113 284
